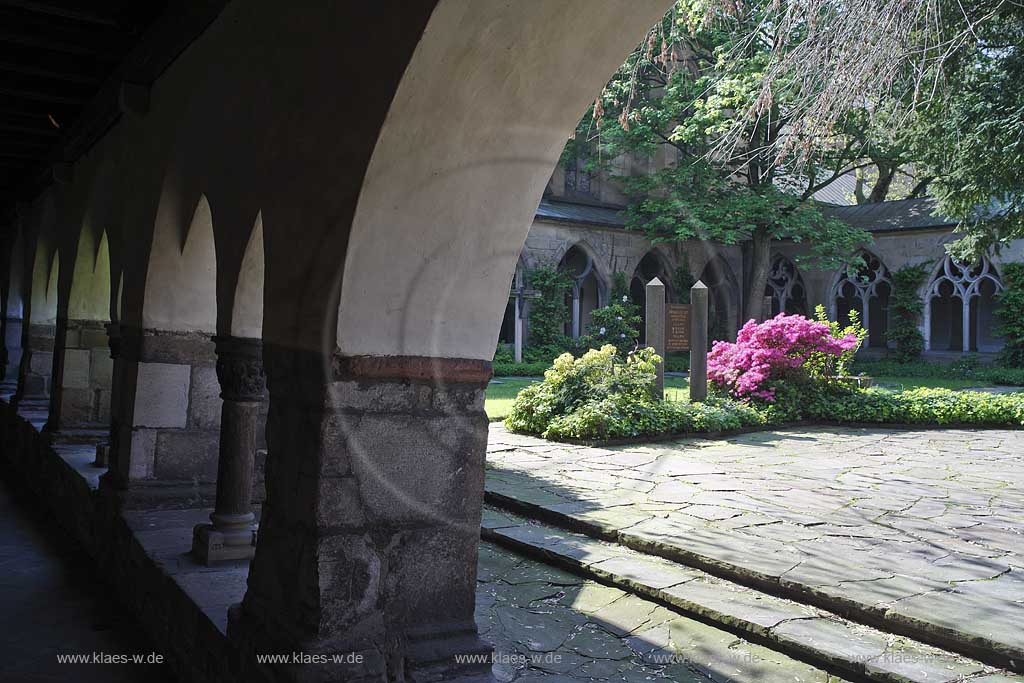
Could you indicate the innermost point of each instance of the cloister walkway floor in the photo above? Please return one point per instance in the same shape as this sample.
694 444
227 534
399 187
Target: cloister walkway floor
52 603
921 531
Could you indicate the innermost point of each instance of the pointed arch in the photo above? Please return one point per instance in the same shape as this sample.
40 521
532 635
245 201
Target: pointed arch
786 287
90 279
960 306
865 289
181 280
589 289
247 312
45 276
723 298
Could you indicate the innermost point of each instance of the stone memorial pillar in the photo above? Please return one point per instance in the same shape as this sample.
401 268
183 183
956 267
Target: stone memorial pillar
655 331
698 342
232 534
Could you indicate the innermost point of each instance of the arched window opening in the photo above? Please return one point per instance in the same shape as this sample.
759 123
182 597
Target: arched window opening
786 288
721 320
586 292
866 290
961 307
651 266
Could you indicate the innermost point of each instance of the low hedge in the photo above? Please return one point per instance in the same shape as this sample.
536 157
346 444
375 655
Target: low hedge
967 369
502 369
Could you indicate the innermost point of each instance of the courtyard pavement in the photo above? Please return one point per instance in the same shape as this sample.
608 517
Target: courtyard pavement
922 528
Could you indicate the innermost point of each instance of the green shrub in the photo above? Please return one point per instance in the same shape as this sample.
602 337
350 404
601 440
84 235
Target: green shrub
618 324
548 313
677 362
602 395
906 307
1011 314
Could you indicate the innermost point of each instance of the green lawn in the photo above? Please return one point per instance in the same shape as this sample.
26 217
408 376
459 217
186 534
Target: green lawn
893 382
500 396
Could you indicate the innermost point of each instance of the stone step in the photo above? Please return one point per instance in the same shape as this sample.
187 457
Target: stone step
937 623
816 636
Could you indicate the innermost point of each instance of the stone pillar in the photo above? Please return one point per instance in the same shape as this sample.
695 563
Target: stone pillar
766 307
12 347
654 330
369 532
966 325
232 534
84 378
698 342
167 419
577 311
926 324
37 365
114 344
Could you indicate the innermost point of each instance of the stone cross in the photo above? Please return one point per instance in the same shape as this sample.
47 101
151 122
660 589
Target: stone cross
655 331
698 342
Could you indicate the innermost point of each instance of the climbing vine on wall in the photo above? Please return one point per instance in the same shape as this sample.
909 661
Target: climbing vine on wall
906 307
548 313
1011 314
683 279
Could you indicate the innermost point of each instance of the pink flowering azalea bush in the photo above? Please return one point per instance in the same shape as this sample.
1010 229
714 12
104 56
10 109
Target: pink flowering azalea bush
786 349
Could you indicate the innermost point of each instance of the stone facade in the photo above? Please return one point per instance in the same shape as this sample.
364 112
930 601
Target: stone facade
563 224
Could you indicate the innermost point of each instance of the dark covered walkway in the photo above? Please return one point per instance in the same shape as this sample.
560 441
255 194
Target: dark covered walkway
52 604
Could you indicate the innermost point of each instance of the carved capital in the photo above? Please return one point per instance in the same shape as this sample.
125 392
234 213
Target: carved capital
240 369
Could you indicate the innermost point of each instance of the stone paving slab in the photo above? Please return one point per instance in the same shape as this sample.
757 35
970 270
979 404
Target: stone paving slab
551 626
792 628
920 529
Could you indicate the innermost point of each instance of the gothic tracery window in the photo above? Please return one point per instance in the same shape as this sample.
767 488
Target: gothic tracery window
866 290
786 287
961 305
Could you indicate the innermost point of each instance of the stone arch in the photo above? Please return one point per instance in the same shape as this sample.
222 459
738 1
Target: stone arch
84 368
516 314
247 307
653 264
960 306
181 280
90 280
496 137
723 298
866 290
589 289
45 278
786 287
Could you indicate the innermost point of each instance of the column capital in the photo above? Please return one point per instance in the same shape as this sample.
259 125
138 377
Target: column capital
240 369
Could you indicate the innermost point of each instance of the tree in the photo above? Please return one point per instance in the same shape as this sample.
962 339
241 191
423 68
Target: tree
944 75
675 98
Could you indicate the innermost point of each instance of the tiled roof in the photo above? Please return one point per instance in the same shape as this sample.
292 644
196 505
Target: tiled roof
904 214
606 216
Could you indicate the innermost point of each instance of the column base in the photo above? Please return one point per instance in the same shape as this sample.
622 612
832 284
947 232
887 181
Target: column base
210 545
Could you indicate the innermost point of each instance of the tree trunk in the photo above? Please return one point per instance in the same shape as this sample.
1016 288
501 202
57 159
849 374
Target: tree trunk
760 254
886 173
